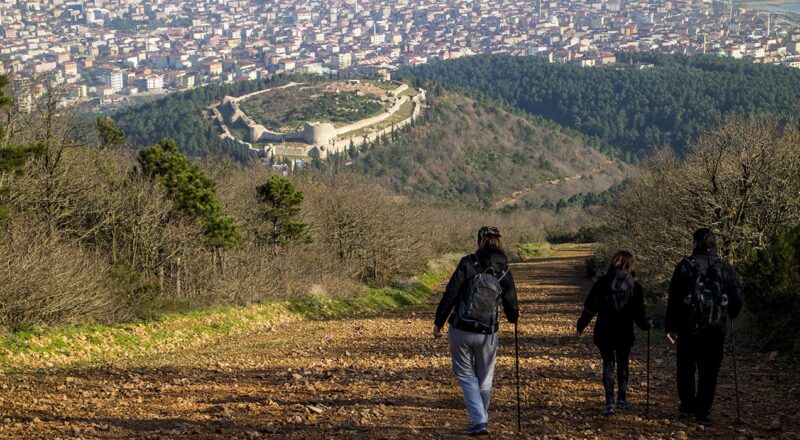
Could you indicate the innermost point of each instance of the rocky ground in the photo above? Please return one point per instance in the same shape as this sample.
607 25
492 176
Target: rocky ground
385 377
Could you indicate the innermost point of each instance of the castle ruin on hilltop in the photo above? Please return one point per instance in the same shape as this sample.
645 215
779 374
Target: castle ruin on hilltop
318 139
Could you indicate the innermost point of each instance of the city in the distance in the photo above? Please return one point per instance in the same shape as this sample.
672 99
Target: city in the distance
111 52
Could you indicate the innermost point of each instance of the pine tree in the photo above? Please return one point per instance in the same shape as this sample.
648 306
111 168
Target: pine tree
283 202
193 192
110 135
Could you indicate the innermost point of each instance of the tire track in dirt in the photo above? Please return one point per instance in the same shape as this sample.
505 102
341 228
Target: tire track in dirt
385 377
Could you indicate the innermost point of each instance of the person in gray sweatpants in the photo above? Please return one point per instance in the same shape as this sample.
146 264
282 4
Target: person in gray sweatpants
473 345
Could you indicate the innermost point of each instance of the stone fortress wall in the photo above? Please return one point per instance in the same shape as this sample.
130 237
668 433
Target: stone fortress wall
339 146
321 138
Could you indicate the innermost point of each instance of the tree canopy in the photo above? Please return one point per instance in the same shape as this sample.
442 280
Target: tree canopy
633 109
282 208
191 189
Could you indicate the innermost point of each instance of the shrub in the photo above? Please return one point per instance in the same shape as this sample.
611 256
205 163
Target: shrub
45 282
740 179
376 235
772 287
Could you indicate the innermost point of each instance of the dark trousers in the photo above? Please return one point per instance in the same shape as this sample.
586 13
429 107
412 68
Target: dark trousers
615 357
701 354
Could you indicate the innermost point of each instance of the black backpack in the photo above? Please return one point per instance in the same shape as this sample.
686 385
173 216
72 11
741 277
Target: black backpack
618 298
478 305
705 298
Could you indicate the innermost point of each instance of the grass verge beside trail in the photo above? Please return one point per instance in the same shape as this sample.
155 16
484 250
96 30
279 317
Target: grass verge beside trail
93 344
534 251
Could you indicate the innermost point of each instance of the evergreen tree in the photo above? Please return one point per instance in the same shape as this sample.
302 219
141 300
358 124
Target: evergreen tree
283 202
193 192
110 135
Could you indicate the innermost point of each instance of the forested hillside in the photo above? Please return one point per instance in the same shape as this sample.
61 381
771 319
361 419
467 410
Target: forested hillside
629 108
476 153
184 118
462 151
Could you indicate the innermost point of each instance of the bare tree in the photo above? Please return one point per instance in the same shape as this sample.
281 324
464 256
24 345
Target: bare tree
741 178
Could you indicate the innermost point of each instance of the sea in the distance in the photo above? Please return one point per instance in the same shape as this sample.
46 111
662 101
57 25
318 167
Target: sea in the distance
776 6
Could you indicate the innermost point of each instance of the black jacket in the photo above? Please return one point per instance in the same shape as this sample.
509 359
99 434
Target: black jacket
678 318
459 282
614 328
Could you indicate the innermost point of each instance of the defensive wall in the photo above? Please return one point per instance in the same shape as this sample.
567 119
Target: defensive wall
321 138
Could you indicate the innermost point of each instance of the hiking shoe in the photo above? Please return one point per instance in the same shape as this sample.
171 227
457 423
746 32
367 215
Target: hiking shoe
703 420
609 409
479 429
622 404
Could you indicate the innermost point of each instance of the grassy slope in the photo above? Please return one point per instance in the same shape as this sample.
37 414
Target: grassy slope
96 344
479 154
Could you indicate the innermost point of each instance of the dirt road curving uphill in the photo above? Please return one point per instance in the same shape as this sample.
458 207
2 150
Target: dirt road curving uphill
385 377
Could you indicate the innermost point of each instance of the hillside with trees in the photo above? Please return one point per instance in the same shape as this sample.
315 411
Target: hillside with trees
108 235
635 110
184 118
478 153
463 151
151 293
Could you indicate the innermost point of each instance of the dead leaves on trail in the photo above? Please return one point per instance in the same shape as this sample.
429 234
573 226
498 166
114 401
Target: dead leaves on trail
385 377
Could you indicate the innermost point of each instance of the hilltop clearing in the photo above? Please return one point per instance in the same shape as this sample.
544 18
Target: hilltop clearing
338 102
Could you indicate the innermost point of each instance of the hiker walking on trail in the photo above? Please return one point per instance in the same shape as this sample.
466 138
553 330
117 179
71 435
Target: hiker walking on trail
703 293
618 301
480 282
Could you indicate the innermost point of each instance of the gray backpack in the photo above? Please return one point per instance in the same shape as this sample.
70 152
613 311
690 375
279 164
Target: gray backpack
478 306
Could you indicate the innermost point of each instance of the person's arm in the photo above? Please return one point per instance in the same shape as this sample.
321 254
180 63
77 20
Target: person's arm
735 293
509 298
451 293
639 312
675 302
590 307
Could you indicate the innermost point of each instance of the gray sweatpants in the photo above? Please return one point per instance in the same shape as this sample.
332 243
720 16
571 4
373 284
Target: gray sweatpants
473 356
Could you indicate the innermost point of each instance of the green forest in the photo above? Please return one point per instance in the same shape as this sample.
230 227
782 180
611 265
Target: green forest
635 110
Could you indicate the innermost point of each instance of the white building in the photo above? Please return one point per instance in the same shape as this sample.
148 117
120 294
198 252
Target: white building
112 78
343 61
154 82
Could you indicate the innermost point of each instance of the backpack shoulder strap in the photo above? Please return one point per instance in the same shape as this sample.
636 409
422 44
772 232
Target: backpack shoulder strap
505 272
475 263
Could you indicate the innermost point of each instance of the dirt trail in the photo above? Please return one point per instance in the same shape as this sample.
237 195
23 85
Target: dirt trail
385 377
514 198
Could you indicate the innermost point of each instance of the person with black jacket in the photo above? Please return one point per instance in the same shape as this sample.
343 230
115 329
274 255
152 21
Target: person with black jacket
618 301
473 344
700 341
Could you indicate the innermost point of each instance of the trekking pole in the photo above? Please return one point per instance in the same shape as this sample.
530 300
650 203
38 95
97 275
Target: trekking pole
647 404
516 357
735 375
